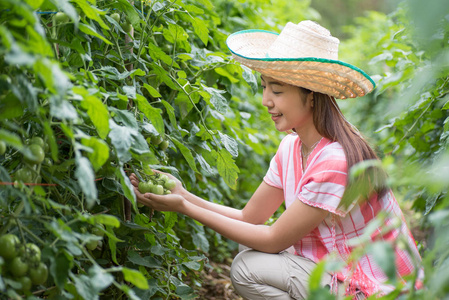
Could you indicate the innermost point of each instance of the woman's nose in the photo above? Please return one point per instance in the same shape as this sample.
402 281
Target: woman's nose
266 100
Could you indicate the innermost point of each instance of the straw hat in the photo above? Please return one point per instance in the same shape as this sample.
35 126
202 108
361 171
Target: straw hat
304 55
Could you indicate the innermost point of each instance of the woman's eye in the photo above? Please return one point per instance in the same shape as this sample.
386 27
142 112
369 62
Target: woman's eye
277 93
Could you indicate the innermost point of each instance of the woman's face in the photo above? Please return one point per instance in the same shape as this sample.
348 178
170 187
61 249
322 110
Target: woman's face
290 107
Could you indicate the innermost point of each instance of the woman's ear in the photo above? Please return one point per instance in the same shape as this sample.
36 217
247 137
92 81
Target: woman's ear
310 98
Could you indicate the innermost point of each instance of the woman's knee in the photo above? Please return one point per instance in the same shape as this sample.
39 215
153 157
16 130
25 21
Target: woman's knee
239 270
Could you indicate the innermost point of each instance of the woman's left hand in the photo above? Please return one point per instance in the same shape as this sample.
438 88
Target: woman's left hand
170 202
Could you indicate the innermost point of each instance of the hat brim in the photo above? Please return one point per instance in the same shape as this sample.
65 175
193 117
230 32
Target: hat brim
333 77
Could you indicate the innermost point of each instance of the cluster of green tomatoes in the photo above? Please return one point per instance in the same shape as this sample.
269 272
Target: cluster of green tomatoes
159 184
21 263
34 155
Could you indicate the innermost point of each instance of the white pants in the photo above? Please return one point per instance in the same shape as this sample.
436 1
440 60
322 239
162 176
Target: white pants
260 276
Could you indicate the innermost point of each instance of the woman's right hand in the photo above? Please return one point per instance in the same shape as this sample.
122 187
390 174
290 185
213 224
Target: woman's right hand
178 189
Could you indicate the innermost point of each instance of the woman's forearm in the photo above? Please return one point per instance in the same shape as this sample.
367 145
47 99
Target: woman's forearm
215 207
250 235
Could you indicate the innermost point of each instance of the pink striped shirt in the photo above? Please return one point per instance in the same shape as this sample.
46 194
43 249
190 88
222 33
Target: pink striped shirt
322 185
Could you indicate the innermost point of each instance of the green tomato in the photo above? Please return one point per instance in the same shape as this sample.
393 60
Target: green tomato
26 283
8 246
97 230
158 189
156 140
37 140
18 267
116 17
170 184
39 275
92 245
33 253
127 27
164 145
24 174
61 17
36 156
145 187
2 147
163 178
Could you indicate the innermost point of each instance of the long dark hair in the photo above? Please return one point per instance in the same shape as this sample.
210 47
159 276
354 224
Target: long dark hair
330 123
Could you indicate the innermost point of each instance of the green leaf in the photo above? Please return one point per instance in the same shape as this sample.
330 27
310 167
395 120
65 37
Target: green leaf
148 261
175 33
127 187
171 113
170 219
153 114
107 220
227 168
220 103
125 117
11 139
10 107
384 255
86 178
99 278
98 114
100 151
230 144
92 12
186 153
201 30
91 31
156 53
153 92
121 138
250 78
129 11
60 265
136 278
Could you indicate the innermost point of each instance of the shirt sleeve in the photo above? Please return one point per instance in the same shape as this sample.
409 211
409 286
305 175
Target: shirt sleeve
324 181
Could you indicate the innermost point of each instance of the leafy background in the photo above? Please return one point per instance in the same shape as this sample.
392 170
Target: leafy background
97 95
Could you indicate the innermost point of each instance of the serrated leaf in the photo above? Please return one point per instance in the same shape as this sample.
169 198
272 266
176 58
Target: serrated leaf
250 78
216 98
170 219
186 153
227 168
230 144
136 278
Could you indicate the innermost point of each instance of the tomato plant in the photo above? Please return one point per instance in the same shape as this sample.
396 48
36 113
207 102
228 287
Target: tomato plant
83 105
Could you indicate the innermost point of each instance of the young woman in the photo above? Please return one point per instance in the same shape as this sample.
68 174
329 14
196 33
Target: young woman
301 76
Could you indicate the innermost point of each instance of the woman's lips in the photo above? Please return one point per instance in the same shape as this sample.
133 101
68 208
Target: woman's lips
275 117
